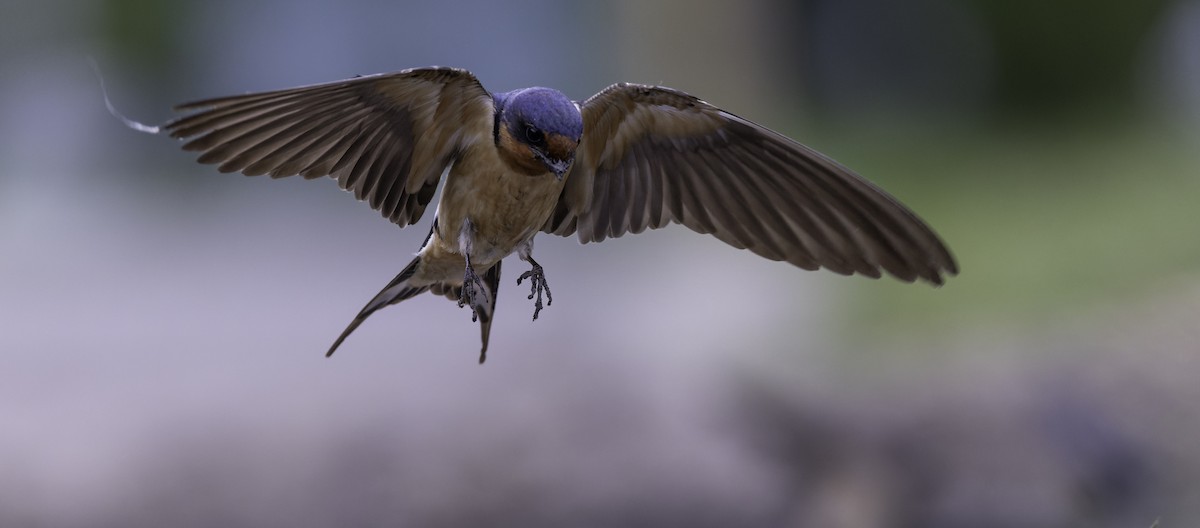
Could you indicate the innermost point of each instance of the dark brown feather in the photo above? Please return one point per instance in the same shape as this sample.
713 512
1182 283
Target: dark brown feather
653 155
387 138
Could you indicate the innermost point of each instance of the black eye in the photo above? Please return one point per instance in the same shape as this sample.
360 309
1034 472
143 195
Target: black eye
534 136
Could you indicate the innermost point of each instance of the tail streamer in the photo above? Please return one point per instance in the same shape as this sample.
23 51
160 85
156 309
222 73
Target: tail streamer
113 110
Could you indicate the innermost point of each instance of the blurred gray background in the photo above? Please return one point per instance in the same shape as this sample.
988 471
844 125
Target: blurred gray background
162 325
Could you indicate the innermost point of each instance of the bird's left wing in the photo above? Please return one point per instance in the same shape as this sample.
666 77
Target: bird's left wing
385 137
652 155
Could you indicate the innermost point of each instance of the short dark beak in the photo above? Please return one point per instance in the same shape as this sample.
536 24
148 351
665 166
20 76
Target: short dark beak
560 167
557 166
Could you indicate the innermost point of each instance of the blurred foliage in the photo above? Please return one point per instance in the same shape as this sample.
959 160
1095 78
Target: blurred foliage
1067 55
1044 223
1063 197
145 32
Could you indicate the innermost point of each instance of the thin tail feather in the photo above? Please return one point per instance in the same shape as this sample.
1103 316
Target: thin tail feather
396 291
113 109
483 312
400 289
492 280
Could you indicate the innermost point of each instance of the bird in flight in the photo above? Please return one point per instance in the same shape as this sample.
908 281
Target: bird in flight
630 158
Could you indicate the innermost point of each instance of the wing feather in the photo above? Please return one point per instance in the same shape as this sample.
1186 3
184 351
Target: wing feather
652 156
387 138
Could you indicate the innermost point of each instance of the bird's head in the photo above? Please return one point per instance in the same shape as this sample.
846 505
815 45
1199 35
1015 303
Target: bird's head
537 130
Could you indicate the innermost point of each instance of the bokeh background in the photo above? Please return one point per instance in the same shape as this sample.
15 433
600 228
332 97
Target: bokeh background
162 325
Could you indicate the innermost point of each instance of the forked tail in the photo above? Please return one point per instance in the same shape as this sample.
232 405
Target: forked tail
397 290
401 289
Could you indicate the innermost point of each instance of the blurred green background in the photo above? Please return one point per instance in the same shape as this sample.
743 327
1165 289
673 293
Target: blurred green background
162 324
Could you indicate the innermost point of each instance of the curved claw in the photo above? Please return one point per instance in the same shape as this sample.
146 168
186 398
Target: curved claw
538 284
472 288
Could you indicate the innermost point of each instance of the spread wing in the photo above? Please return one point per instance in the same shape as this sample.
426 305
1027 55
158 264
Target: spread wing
385 137
652 155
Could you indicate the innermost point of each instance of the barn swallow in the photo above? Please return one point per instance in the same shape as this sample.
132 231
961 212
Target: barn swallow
630 158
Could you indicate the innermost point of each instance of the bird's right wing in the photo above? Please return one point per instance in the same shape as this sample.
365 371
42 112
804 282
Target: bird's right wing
651 156
387 137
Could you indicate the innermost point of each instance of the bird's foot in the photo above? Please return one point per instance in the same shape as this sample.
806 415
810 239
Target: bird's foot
473 292
537 283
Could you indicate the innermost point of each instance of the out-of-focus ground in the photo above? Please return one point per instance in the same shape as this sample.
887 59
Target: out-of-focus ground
162 325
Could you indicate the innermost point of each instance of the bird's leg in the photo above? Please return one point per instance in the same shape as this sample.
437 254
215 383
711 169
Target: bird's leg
537 279
473 287
473 290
